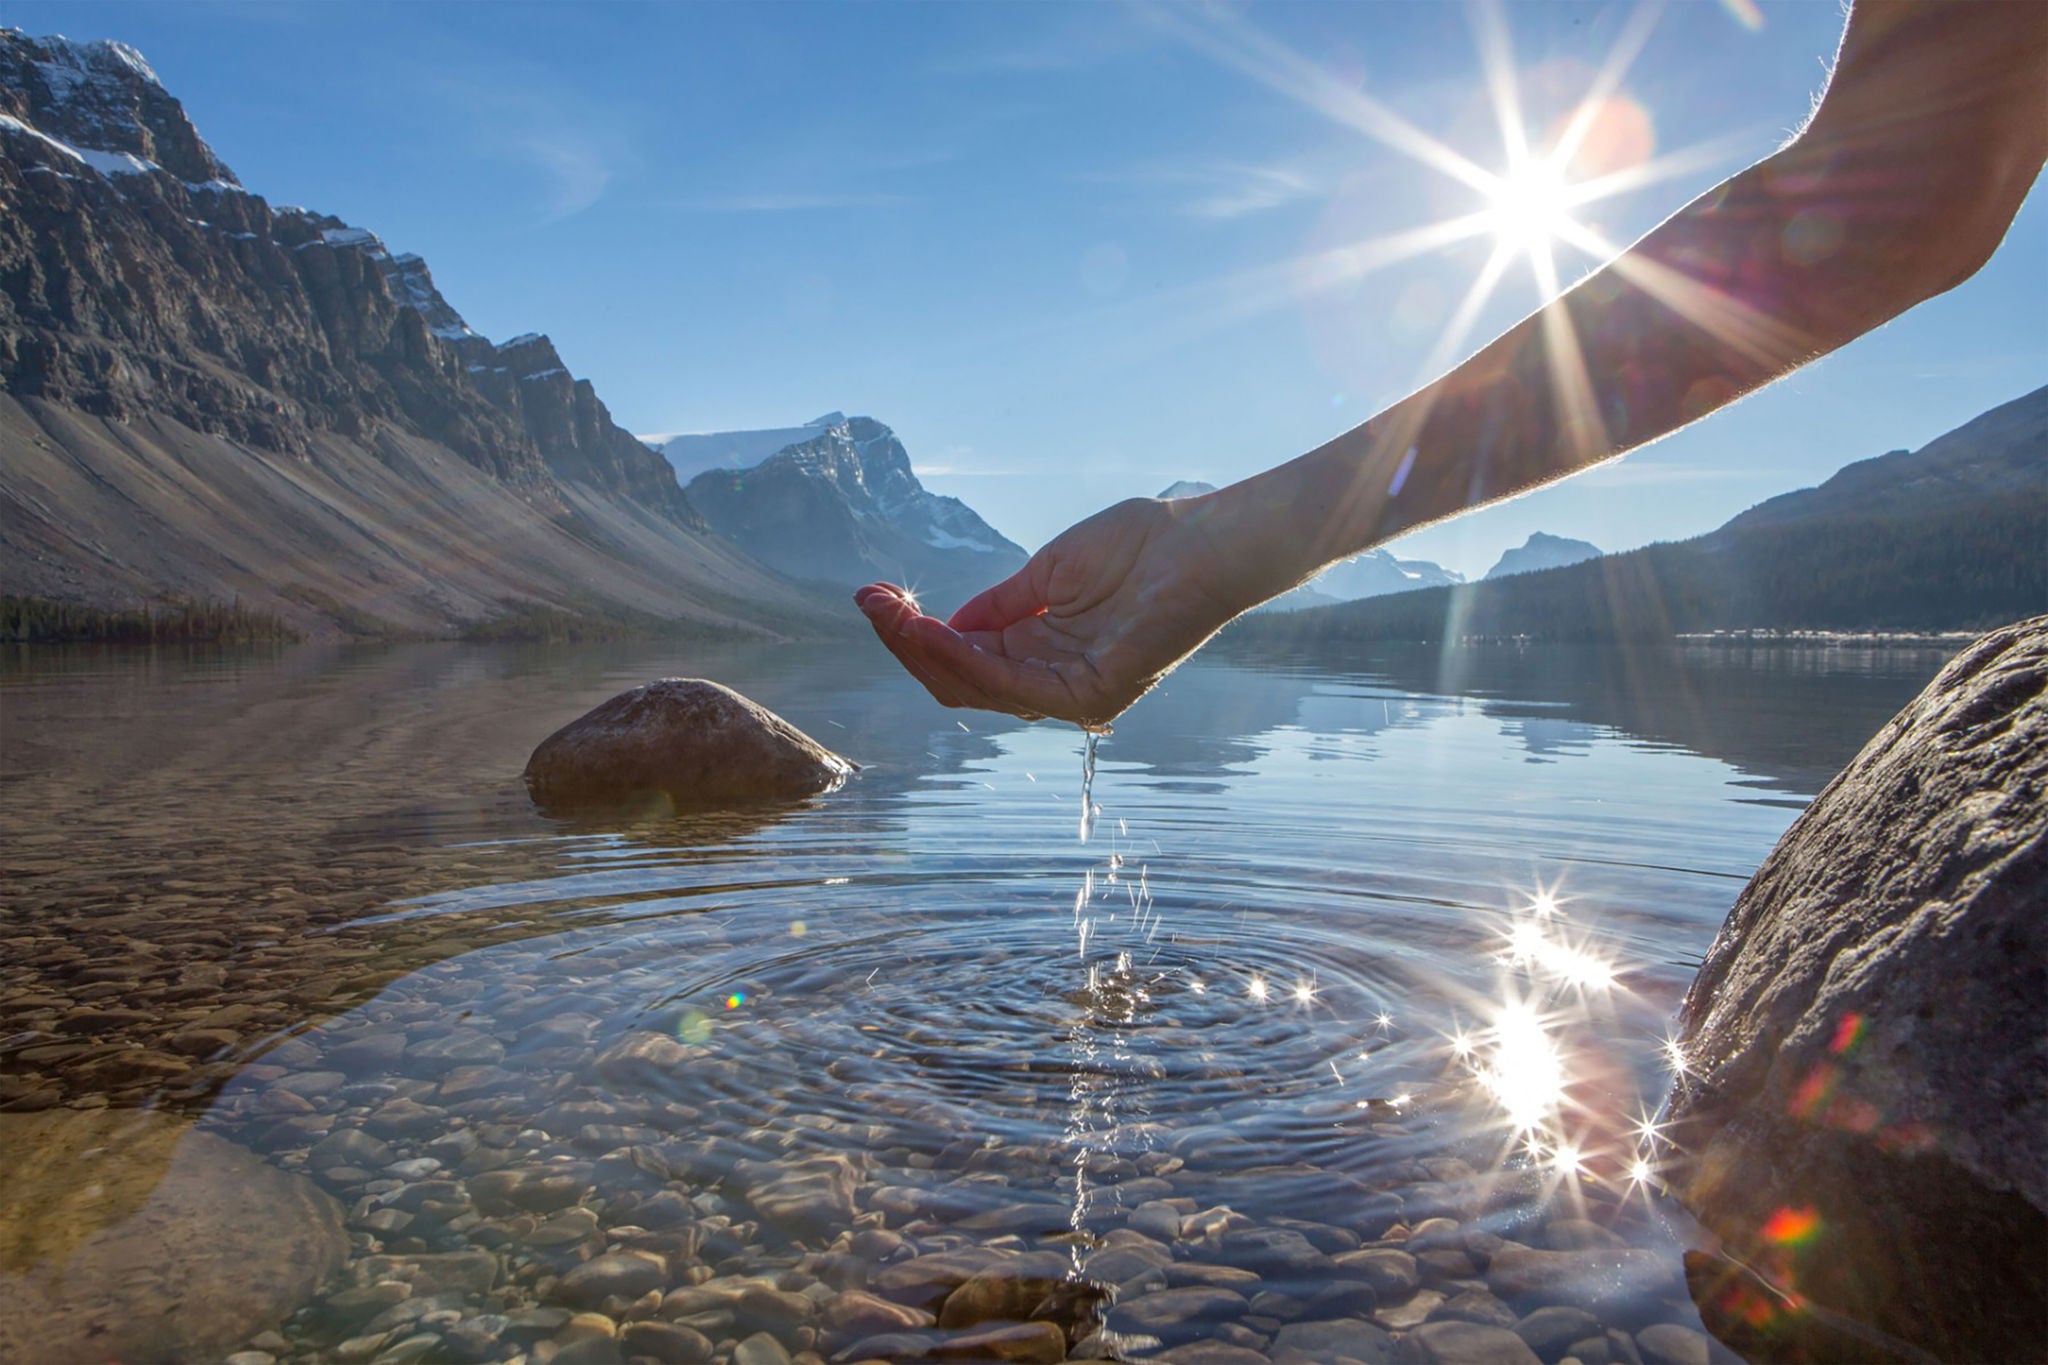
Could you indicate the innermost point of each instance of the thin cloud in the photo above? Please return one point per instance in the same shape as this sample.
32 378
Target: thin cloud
1241 191
570 150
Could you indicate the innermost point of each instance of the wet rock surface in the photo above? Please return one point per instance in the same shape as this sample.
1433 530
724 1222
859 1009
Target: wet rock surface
695 744
1866 1045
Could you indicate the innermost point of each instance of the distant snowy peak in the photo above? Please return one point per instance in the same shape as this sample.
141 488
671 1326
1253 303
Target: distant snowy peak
836 501
1372 574
102 103
1543 551
699 452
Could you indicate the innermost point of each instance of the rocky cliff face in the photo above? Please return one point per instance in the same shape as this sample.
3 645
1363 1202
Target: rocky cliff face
844 507
140 283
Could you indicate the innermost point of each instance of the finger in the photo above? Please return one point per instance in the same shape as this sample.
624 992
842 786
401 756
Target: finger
888 614
1012 600
1009 685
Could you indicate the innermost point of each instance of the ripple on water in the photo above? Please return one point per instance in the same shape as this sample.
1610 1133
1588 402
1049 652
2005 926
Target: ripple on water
1068 1052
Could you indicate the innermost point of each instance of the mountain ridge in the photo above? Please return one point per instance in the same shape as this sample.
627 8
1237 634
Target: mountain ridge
1864 557
153 324
843 506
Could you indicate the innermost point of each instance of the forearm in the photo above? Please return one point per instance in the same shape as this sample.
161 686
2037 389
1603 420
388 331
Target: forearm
1878 206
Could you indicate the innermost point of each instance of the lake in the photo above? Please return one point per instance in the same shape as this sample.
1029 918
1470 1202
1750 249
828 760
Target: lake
1345 1021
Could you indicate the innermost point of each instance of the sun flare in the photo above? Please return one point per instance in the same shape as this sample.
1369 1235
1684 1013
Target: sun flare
1529 207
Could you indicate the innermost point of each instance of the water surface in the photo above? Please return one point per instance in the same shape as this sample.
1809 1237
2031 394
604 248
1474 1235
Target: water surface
1358 988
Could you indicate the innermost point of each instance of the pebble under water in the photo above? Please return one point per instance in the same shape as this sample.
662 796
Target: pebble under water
1325 1023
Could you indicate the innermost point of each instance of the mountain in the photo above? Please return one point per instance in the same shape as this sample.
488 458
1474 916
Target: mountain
1372 574
1543 551
209 397
2003 452
694 453
841 505
1949 537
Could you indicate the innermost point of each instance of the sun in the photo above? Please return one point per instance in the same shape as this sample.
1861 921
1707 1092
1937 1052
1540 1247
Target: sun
1528 207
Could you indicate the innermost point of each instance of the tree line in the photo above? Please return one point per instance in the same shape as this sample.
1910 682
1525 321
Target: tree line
35 620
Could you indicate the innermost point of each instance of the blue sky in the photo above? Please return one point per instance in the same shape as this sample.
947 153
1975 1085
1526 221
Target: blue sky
1055 246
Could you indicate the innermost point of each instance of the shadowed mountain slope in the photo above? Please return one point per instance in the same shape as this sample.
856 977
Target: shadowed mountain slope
213 397
1946 538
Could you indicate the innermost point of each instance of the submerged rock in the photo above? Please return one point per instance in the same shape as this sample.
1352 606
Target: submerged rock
684 741
134 1236
1866 1045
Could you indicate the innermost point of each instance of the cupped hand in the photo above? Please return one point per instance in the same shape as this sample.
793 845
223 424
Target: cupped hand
1082 630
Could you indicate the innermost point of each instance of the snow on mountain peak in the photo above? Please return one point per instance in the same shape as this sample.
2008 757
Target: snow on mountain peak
102 98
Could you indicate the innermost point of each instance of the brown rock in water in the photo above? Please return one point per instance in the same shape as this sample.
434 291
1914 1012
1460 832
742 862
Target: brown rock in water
1866 1045
133 1236
686 742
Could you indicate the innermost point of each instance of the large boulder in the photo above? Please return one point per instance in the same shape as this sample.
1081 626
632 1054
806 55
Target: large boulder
134 1236
1864 1092
689 744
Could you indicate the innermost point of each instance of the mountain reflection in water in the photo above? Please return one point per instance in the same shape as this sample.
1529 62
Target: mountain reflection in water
1359 945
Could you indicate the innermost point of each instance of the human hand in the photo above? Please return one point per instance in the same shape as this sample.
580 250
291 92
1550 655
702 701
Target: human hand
1084 629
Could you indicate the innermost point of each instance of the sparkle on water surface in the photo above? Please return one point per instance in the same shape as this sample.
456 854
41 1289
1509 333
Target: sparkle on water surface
1334 938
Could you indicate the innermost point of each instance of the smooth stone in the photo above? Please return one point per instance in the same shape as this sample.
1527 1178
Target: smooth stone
1609 1283
590 1351
1667 1343
806 1197
403 1118
1862 1066
1411 1311
1157 1218
855 1313
1274 1253
1550 1332
889 1346
1196 1275
349 1147
1007 1290
1034 1343
475 1339
696 743
1175 1315
626 1274
665 1342
1319 1341
130 1234
369 1052
779 1313
410 1350
466 1272
1115 1265
1392 1274
925 1281
760 1349
1210 1353
1463 1343
1476 1305
1341 1299
564 1229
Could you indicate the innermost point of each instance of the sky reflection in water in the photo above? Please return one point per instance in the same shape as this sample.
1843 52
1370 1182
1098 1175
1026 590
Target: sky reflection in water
1334 929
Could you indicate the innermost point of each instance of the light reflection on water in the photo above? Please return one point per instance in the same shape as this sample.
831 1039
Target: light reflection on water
1330 938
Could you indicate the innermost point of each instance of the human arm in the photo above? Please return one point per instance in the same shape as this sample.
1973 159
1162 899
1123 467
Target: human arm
1932 130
